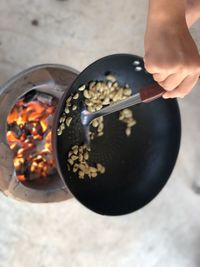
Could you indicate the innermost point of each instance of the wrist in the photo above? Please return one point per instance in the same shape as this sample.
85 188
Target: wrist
167 23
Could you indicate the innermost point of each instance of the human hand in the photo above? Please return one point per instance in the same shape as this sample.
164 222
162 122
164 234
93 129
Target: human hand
171 55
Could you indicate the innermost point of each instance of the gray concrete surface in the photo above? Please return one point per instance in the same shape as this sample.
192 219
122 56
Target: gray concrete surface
167 231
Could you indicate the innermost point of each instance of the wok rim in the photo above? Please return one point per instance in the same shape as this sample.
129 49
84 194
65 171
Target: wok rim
55 143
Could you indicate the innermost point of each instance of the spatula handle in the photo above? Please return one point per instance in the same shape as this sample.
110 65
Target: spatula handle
151 92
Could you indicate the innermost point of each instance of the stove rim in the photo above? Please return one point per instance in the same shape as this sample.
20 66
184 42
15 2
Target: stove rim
23 192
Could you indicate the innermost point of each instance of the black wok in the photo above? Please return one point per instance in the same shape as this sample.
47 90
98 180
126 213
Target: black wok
137 167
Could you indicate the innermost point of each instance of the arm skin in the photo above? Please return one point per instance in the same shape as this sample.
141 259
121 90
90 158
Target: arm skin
171 54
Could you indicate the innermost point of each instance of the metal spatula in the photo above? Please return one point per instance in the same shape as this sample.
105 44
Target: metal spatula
145 95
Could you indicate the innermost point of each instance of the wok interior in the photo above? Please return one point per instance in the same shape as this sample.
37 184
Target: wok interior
137 167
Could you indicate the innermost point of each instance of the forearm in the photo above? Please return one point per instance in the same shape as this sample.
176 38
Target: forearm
171 11
166 11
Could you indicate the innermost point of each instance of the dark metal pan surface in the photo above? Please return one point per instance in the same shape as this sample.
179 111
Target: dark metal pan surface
137 167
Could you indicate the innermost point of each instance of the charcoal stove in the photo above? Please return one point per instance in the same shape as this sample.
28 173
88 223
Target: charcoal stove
49 79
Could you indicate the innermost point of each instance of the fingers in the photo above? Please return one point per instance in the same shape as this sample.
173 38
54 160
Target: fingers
168 78
172 81
159 65
157 68
183 88
160 77
178 79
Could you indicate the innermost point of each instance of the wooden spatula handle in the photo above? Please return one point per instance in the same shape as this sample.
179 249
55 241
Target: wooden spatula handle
151 92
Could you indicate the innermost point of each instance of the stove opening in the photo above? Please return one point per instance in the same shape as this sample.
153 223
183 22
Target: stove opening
29 129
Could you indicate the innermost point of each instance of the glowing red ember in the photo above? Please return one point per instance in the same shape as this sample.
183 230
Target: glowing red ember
29 136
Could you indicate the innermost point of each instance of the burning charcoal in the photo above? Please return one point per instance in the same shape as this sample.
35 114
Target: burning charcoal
50 110
33 129
39 160
29 150
39 128
28 128
36 131
16 129
21 169
23 137
12 138
29 136
45 99
15 149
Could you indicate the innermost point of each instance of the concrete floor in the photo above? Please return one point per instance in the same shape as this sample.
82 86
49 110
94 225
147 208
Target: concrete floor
167 231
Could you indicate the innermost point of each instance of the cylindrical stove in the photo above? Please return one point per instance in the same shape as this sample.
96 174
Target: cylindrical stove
28 103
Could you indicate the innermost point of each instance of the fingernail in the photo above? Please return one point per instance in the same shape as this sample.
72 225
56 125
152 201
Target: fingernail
165 96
